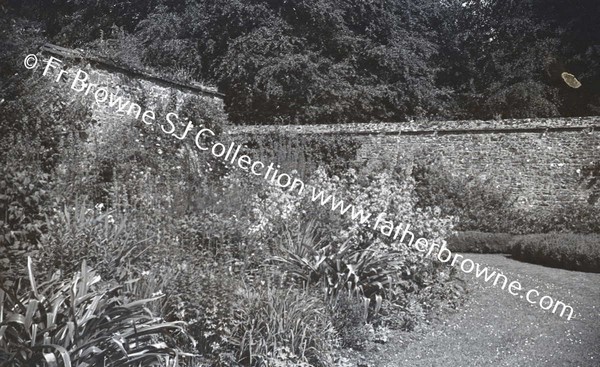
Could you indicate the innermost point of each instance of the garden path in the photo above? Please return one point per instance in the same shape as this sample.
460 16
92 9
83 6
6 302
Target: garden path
494 328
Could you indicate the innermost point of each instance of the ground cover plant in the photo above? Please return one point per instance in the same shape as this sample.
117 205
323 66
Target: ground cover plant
570 251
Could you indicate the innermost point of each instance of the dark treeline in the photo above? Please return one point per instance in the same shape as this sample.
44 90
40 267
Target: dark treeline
327 61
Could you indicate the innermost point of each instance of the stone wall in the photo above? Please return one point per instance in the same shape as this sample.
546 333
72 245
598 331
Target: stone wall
540 161
105 125
142 87
160 96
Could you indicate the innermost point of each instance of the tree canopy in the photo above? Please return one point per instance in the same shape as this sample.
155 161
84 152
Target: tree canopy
328 61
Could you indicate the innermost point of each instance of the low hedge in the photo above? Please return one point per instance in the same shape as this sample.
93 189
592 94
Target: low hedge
480 242
561 250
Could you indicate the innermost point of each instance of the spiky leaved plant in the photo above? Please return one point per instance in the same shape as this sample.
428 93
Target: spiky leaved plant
81 321
278 327
361 271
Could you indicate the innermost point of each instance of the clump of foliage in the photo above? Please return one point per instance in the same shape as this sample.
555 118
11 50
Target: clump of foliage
355 280
109 240
305 153
350 317
203 293
571 217
375 192
561 250
480 242
482 206
81 321
23 199
474 200
282 327
345 256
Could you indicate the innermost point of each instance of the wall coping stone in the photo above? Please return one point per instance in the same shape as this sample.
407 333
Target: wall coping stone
109 65
429 127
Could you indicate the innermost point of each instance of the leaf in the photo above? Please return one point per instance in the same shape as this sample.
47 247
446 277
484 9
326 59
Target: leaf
31 277
66 359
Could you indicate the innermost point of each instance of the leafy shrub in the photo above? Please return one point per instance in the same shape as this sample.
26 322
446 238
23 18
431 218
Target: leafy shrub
38 118
23 197
81 321
378 192
347 255
282 328
221 215
203 294
571 217
562 250
480 242
81 232
367 285
478 204
481 206
110 240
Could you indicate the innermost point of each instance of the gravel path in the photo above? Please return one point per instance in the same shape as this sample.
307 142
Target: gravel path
494 328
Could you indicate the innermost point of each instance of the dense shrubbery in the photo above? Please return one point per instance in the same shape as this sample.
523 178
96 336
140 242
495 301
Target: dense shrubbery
326 61
235 257
474 200
572 217
562 250
23 196
483 207
108 239
339 256
480 242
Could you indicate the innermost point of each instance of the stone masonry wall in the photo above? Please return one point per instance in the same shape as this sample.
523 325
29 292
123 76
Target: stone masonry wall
540 161
150 92
137 86
161 97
